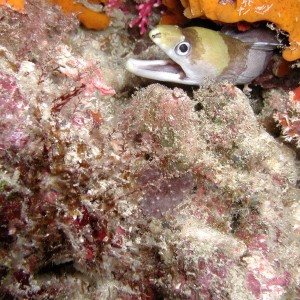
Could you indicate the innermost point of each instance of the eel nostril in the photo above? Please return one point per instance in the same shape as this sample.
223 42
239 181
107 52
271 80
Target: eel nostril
156 35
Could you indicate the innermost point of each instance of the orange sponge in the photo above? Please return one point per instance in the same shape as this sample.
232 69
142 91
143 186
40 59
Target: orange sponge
14 4
285 14
88 17
174 16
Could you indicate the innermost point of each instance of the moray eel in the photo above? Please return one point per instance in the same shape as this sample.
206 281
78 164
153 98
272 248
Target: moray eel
198 55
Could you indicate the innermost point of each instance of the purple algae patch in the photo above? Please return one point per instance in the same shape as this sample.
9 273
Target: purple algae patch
165 195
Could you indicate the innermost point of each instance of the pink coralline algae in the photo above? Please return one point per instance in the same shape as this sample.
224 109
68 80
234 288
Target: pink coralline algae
84 72
289 119
107 192
145 10
12 108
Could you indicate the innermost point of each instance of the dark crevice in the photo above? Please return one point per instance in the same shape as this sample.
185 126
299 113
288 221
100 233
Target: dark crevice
58 269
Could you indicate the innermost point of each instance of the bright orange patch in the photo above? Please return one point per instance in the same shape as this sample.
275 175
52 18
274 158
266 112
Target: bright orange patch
90 19
14 4
174 16
296 92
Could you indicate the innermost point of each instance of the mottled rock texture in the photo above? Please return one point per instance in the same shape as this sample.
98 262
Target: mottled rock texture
107 193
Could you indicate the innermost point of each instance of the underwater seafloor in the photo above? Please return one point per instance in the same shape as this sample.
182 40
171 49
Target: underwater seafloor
117 187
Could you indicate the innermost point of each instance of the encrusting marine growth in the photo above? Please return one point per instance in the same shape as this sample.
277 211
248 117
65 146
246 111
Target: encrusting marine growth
91 19
113 191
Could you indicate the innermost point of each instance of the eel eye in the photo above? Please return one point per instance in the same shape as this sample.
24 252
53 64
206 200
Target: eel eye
183 48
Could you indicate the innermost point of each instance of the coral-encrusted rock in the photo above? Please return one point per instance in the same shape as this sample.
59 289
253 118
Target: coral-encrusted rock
242 196
163 131
157 196
171 197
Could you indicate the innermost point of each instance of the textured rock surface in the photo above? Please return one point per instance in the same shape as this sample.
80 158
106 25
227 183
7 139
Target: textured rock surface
155 195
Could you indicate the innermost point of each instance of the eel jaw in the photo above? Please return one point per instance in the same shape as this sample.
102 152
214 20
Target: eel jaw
161 70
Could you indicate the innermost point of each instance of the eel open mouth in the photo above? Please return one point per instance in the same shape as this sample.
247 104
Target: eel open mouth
161 70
